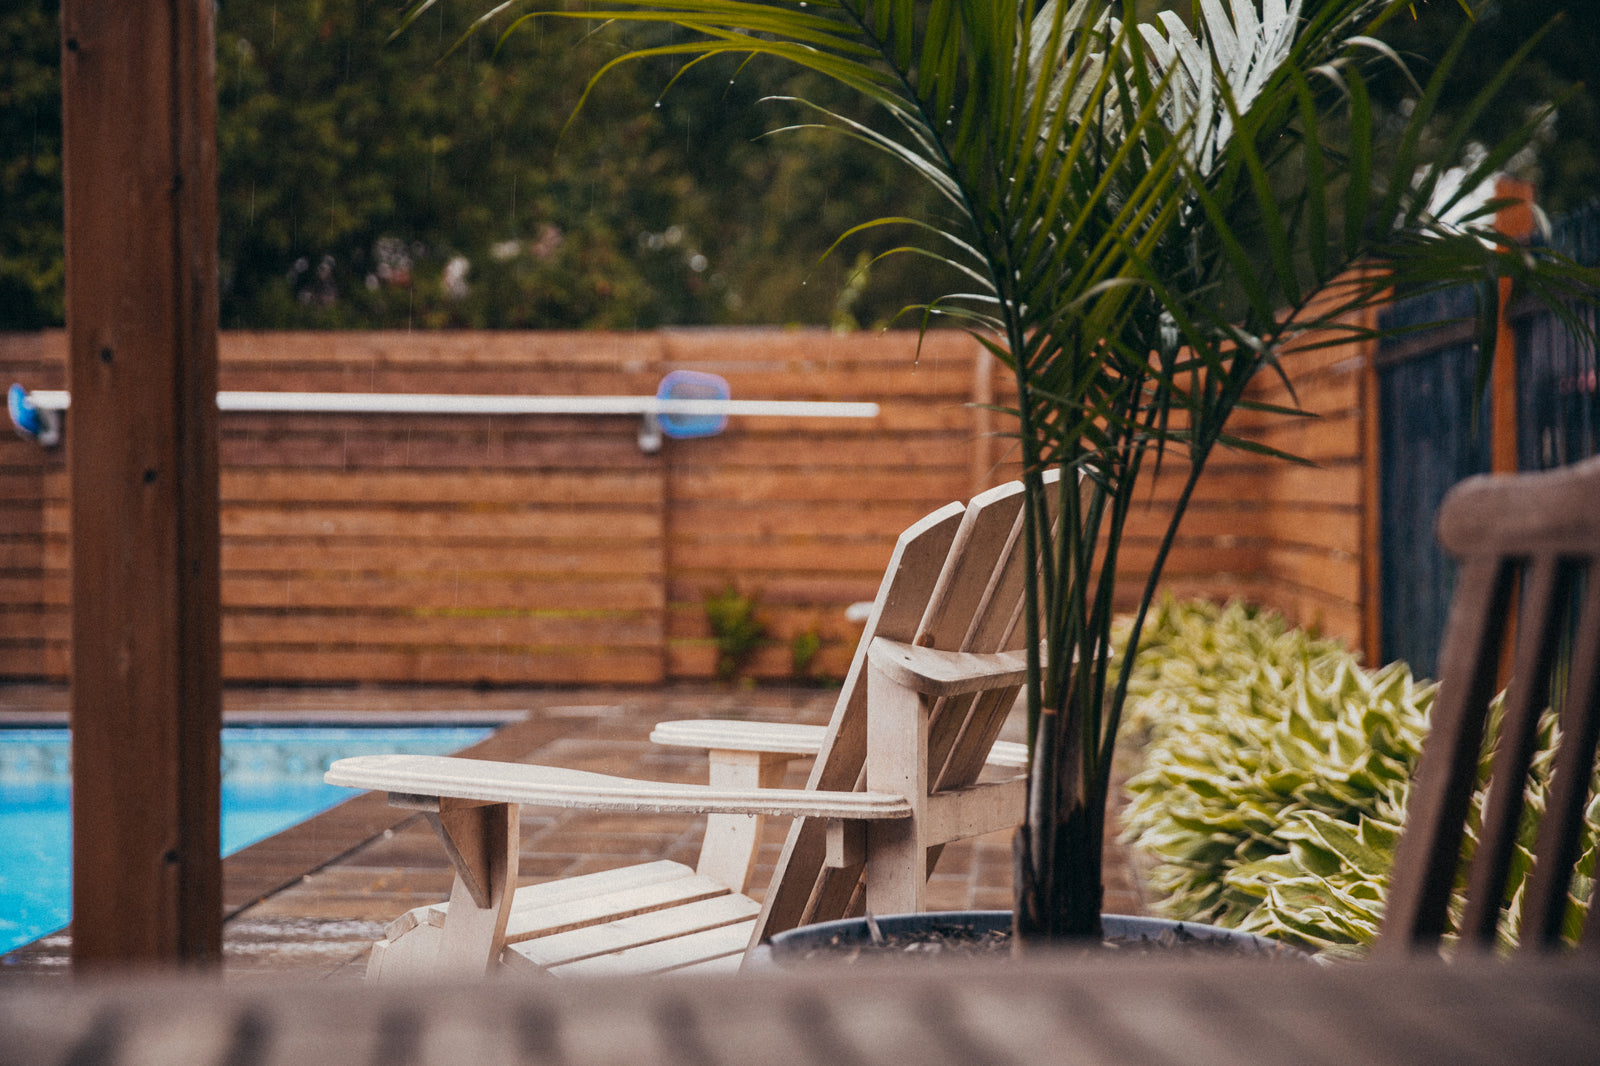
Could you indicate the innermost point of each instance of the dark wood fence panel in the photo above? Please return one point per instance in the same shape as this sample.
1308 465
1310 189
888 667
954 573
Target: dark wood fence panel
1558 387
1434 433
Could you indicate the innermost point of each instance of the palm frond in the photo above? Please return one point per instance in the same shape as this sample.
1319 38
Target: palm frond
1140 217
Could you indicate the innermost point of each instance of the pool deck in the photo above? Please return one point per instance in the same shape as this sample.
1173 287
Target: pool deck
308 902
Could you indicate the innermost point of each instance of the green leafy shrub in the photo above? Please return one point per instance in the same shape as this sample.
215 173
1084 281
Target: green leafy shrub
803 649
737 626
1275 775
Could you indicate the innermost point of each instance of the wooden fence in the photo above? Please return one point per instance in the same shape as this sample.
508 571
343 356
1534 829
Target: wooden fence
1290 536
1541 409
550 549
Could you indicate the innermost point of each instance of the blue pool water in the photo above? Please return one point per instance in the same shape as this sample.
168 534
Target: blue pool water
271 779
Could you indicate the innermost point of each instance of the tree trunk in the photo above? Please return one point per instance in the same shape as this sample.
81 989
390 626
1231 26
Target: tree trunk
1058 901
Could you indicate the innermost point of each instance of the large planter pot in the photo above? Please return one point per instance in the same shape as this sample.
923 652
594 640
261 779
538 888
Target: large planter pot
976 933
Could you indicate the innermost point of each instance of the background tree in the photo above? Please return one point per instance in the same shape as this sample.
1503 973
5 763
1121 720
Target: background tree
1564 163
369 183
355 170
31 272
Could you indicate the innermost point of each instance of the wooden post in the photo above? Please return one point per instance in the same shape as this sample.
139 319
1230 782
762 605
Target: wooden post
139 118
982 467
1516 222
1370 444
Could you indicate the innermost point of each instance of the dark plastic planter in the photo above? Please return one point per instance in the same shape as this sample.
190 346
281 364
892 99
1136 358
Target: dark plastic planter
813 943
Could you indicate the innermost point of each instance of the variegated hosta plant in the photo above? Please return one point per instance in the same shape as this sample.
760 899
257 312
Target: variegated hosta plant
1275 775
1137 218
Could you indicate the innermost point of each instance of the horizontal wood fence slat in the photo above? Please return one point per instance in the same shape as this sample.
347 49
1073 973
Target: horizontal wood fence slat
552 550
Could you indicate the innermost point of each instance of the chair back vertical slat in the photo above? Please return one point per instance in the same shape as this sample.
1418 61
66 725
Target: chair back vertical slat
995 626
1430 849
1533 539
1540 610
979 548
802 886
1545 899
997 622
980 551
958 762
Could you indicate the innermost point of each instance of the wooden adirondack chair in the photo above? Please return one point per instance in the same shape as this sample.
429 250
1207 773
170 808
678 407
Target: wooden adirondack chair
1528 547
895 778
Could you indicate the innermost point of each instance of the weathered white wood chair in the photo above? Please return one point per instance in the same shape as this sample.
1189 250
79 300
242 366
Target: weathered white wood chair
895 777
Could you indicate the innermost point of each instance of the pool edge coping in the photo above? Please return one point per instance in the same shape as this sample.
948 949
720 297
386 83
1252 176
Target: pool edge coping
258 871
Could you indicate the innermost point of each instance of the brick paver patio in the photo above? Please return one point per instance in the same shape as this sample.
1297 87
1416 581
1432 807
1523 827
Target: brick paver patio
309 901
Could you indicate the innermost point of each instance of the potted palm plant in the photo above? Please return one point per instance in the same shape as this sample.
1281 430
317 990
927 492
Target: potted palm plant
1143 216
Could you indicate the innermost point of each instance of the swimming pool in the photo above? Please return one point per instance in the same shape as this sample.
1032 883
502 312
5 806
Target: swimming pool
271 779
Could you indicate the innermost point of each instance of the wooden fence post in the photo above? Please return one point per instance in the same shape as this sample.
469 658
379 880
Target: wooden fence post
139 118
982 419
1516 222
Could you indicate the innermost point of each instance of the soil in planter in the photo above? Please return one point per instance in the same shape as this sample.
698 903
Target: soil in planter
957 939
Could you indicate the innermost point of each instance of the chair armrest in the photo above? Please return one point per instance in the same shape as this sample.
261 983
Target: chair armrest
781 738
935 672
432 777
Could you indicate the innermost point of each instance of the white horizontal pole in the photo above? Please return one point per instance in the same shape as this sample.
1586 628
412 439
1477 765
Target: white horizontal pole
452 404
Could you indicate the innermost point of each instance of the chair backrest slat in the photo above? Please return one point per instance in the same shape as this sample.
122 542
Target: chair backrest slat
802 887
940 584
996 626
1527 545
957 607
1545 900
1540 607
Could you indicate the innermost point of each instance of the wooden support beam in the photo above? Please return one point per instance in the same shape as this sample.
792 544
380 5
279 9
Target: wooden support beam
481 840
139 117
1516 222
733 841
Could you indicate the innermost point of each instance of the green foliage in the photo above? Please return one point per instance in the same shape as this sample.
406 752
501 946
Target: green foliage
1564 161
32 278
738 628
398 183
803 649
370 183
1275 777
1248 723
1139 216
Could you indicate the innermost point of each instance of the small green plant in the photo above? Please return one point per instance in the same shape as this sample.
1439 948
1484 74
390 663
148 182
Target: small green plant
737 627
843 319
1276 774
803 649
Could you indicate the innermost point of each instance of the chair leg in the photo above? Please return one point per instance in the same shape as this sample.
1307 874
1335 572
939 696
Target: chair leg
482 841
407 953
897 761
728 854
